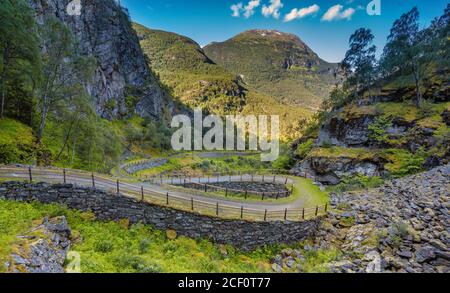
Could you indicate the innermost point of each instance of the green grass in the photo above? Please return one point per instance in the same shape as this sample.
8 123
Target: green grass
114 247
318 261
311 193
14 132
16 142
342 152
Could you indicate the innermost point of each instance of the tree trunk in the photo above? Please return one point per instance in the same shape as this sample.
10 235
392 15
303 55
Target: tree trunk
3 78
43 120
417 81
66 138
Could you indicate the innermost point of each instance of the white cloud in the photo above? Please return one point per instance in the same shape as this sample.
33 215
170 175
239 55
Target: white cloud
336 12
300 13
250 8
247 11
236 8
273 9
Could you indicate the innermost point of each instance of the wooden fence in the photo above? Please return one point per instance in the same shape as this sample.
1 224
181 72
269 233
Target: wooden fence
169 199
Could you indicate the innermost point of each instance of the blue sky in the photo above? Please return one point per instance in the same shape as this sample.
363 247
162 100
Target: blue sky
325 25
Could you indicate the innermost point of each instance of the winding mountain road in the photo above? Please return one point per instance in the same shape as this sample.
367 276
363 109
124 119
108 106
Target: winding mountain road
160 193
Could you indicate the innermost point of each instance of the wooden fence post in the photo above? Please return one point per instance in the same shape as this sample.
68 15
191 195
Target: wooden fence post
118 189
263 179
217 210
246 193
93 180
265 215
326 207
278 195
303 214
285 214
64 174
242 212
30 175
317 210
192 204
167 198
206 187
263 196
274 179
226 191
142 193
285 183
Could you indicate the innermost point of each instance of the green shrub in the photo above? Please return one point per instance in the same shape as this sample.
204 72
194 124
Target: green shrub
356 182
284 162
377 130
104 246
304 148
144 244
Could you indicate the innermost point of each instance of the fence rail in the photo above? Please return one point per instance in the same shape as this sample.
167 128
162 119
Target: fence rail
168 199
248 178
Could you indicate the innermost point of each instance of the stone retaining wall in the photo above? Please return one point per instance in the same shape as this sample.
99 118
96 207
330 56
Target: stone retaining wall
134 168
271 190
244 235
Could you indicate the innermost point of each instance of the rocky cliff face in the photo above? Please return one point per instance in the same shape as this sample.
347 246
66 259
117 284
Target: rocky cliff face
103 30
377 137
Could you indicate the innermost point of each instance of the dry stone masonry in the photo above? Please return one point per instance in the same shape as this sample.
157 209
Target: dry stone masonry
244 235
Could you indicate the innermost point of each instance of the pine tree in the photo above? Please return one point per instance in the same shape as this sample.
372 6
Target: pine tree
359 61
404 51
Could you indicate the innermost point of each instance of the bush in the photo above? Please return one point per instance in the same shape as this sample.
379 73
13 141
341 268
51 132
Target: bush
144 245
284 162
377 130
104 246
357 182
304 148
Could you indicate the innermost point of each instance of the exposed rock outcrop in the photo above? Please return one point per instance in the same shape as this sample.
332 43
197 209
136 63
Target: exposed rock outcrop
403 226
346 132
331 170
43 249
104 31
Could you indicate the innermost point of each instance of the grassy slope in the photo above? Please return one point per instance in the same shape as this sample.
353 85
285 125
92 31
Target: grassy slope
16 142
277 64
115 247
198 82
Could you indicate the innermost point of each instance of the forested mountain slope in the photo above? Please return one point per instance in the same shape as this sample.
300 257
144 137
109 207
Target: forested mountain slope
277 64
197 81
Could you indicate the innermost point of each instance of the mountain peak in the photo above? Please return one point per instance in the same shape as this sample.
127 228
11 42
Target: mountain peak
269 35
